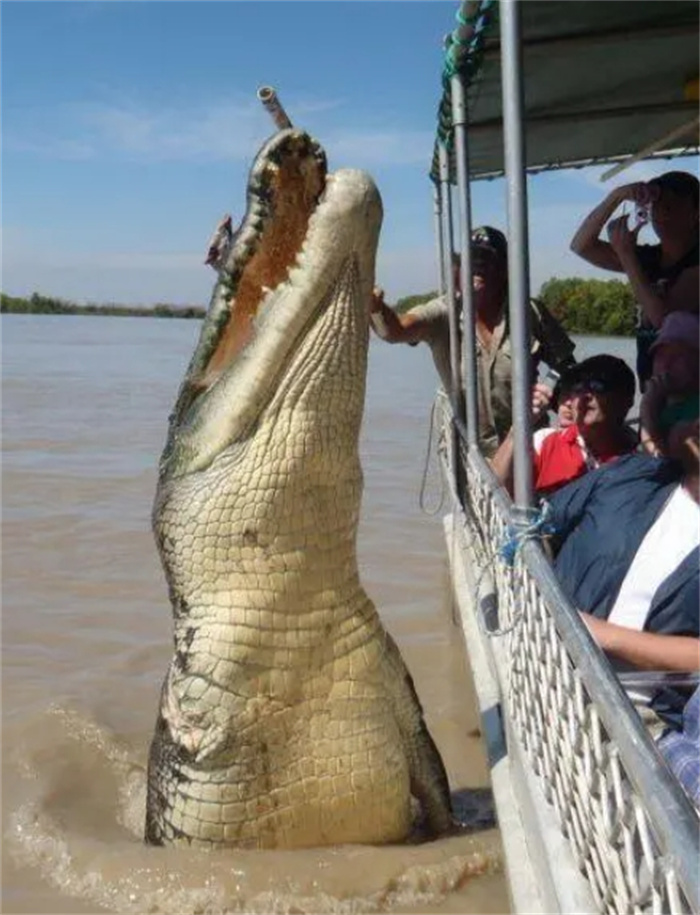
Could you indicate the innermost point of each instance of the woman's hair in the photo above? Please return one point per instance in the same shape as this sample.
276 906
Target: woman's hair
683 184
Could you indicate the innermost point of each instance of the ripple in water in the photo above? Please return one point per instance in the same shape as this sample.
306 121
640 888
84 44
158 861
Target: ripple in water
80 821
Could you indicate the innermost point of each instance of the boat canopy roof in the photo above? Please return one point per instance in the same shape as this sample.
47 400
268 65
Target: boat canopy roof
601 81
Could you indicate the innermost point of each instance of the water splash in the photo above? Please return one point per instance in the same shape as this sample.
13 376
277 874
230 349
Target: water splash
79 823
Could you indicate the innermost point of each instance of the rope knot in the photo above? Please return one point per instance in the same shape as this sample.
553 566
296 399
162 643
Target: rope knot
535 523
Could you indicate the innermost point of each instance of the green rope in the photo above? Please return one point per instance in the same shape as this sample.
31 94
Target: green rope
468 64
464 56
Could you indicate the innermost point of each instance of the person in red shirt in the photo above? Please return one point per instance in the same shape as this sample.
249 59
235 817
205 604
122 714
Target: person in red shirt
602 391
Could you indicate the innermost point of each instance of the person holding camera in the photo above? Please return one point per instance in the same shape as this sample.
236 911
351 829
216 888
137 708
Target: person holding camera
664 277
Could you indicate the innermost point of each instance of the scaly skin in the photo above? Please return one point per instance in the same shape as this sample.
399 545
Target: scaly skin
287 716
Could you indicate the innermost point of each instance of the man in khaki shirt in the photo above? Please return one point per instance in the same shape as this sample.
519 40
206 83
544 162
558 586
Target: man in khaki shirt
429 323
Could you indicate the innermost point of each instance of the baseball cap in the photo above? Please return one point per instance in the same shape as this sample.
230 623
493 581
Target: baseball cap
683 184
678 327
600 374
491 239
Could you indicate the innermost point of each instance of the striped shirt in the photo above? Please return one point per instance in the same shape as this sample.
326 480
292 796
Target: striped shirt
681 749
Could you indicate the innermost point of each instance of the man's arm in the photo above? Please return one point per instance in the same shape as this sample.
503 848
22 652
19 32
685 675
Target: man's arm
502 461
586 242
393 328
646 650
650 407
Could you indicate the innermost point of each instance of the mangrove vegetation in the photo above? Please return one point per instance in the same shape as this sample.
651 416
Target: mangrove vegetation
583 306
38 304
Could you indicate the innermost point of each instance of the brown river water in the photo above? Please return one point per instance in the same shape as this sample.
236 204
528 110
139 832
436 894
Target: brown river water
87 634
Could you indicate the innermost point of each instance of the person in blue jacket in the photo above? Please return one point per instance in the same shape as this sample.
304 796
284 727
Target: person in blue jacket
628 558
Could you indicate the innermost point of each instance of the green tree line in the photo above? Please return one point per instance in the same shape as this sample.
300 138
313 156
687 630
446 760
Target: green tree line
582 306
605 307
47 305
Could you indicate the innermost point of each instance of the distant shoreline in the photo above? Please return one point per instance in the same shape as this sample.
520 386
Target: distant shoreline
590 308
38 304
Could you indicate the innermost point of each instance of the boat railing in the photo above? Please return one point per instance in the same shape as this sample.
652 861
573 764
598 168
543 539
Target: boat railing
631 829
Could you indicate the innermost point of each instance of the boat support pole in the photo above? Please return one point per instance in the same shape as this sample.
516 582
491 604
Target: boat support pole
456 394
518 255
439 238
468 355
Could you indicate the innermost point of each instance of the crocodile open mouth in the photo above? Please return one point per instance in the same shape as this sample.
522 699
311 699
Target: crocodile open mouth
284 187
302 258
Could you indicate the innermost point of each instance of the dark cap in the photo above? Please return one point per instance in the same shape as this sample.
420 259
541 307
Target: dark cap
491 239
683 184
610 372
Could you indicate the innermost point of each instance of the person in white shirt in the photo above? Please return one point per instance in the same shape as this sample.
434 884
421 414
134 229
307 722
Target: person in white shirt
672 539
627 555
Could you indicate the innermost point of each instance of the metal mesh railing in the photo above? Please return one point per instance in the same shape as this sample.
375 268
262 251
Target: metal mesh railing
632 831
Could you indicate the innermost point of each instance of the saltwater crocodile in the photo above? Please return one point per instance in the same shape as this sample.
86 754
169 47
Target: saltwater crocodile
287 717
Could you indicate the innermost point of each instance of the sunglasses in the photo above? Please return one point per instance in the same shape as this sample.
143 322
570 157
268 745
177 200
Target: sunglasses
588 386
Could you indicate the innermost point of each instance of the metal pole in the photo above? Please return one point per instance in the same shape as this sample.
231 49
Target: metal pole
518 254
440 239
459 120
268 96
456 396
446 197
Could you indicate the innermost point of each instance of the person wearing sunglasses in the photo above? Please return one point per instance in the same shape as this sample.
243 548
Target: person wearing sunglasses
599 394
429 323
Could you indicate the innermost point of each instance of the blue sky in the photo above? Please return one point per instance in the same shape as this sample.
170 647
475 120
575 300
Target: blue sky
129 127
